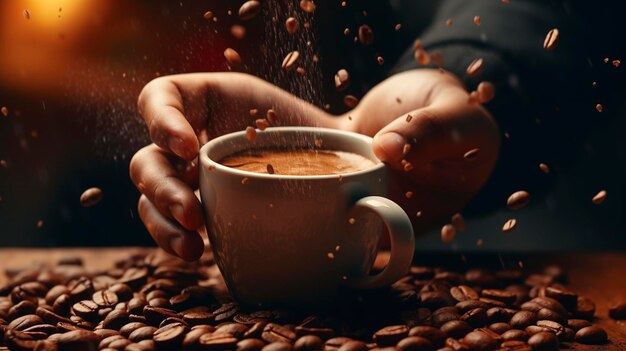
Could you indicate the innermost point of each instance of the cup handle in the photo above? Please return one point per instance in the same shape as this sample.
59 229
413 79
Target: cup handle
402 242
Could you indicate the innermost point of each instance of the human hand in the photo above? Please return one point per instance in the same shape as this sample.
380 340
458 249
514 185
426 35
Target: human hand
182 112
443 127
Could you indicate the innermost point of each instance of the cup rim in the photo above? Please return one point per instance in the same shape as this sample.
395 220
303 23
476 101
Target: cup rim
206 161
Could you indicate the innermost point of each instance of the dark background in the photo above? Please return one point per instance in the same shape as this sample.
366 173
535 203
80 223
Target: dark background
70 75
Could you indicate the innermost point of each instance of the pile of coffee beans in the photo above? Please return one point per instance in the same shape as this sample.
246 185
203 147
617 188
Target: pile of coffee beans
152 301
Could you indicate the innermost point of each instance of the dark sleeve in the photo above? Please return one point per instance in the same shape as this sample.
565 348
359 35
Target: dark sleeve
542 96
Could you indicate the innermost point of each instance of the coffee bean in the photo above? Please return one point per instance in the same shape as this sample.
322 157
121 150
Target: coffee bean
191 341
277 346
486 92
353 345
55 292
232 57
115 319
567 298
62 304
463 293
122 291
142 333
518 199
290 61
592 335
544 341
415 343
500 327
256 330
198 317
436 336
551 39
106 342
456 345
45 345
522 319
475 317
81 289
390 335
366 36
156 315
30 291
120 344
601 195
307 6
514 345
105 298
335 343
143 345
91 197
456 328
170 336
493 302
465 306
24 322
249 10
235 329
480 341
103 333
585 308
78 340
128 328
171 320
20 309
324 333
515 334
544 302
276 332
474 68
499 314
216 341
17 340
308 343
257 345
48 329
86 309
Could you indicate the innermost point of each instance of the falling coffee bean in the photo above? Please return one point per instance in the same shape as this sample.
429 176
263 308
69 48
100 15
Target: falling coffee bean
249 10
551 39
475 68
232 57
366 35
342 80
91 197
289 62
518 199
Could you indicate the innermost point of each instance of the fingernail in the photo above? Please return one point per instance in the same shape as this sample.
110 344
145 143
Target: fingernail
389 146
177 145
176 243
178 212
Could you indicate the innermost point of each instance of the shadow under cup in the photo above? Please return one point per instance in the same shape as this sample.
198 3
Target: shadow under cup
281 239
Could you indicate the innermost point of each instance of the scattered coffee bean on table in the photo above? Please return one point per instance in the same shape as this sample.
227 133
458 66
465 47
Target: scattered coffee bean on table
428 309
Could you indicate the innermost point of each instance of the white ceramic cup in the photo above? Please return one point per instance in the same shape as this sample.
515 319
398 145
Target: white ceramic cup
289 239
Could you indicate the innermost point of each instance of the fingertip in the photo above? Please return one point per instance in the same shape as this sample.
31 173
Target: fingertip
389 146
184 148
190 216
189 247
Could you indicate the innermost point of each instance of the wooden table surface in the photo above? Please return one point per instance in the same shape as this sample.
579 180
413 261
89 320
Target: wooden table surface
599 276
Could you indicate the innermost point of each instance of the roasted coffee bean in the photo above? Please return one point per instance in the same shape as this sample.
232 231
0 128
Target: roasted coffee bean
499 295
436 336
115 320
198 317
568 335
249 10
592 335
435 299
548 303
155 294
191 341
156 315
86 309
480 277
122 291
577 324
342 80
105 298
256 345
333 344
499 314
160 302
415 343
226 312
474 68
51 317
24 322
62 304
444 315
456 345
390 335
480 341
170 336
549 314
134 277
143 345
467 305
103 333
514 345
554 327
276 332
277 346
308 343
120 344
463 293
45 345
55 292
77 340
81 289
48 329
551 39
493 302
522 319
456 328
515 334
142 333
128 328
17 340
170 320
585 308
618 311
324 333
20 309
290 61
366 35
475 317
567 298
544 341
30 291
500 327
256 330
422 272
451 277
138 318
354 345
235 329
216 341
